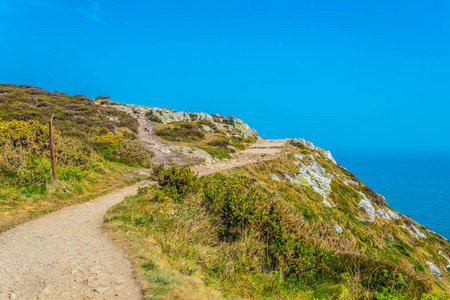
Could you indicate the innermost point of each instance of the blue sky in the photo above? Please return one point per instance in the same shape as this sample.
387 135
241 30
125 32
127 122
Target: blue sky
346 75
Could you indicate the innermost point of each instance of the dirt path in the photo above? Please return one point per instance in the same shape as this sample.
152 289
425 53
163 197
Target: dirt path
67 255
163 153
262 150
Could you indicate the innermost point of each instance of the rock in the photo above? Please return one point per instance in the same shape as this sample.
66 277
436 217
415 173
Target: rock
206 128
447 267
328 155
193 153
350 181
418 232
310 157
170 116
297 163
410 231
434 270
242 127
367 206
65 189
275 177
314 175
382 214
233 149
299 156
338 228
393 215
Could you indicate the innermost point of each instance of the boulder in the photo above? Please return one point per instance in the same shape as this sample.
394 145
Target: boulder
206 128
338 228
367 206
434 270
275 177
299 156
242 127
328 155
418 232
310 157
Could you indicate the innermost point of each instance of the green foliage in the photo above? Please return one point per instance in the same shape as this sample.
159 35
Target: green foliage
216 152
177 182
183 133
154 118
84 137
237 208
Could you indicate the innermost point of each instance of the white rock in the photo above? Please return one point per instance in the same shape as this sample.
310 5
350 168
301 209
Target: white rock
350 181
275 177
310 157
338 228
328 155
382 214
418 232
366 204
434 270
206 128
393 214
410 231
299 156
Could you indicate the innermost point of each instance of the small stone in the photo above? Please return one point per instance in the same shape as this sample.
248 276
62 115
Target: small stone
434 270
338 228
275 177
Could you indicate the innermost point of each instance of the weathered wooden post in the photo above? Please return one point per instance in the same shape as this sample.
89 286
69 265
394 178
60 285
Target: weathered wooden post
52 151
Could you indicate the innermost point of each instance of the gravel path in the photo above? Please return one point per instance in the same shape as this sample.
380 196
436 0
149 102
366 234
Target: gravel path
67 255
261 151
163 153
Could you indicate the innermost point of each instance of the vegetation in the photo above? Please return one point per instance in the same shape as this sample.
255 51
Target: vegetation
249 238
89 140
186 132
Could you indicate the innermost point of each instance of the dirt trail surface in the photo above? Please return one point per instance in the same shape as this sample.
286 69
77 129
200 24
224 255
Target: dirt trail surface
262 150
163 153
67 255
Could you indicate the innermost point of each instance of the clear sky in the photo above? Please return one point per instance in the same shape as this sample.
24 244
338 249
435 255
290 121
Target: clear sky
346 75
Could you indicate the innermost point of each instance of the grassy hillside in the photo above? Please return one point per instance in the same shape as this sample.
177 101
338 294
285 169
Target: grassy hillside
252 235
95 146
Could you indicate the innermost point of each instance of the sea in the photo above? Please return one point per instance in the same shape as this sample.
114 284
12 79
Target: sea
414 184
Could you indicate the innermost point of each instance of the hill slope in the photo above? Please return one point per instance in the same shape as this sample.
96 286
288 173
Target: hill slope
289 223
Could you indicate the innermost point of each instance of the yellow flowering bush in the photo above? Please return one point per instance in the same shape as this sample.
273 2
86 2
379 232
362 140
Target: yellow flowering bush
108 138
23 133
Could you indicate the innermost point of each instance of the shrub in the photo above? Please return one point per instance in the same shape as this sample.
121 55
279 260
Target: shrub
184 133
155 118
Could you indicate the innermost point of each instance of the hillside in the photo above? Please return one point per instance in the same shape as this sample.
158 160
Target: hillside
229 214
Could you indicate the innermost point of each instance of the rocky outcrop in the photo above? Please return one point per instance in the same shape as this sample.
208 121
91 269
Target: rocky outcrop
366 205
242 127
230 125
433 269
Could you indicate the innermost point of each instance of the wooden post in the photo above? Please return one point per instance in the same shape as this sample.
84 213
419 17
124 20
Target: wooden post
52 150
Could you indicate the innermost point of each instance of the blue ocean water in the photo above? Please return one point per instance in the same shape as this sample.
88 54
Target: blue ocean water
414 184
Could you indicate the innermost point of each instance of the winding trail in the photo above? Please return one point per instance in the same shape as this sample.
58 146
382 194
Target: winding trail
67 255
261 151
